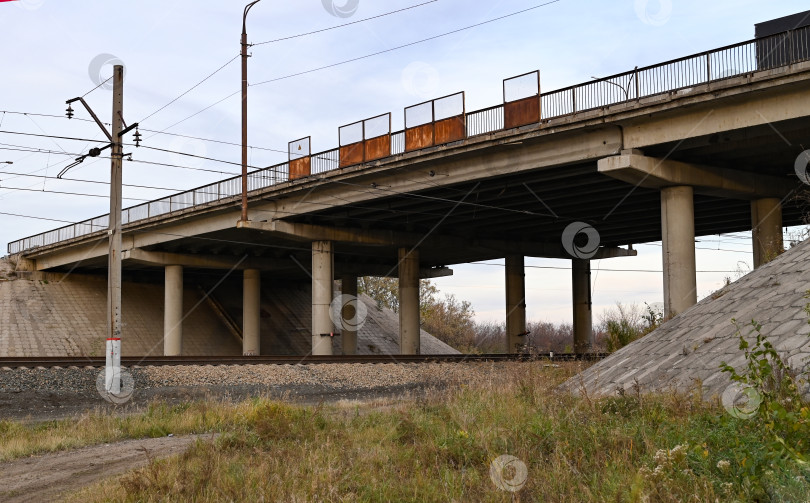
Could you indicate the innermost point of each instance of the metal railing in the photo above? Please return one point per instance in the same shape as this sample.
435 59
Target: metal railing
781 49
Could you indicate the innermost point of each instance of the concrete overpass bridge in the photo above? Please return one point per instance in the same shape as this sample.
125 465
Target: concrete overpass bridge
696 146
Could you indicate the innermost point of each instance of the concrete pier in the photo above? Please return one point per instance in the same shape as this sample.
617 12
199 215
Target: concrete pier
173 311
583 313
515 304
678 252
251 312
766 233
409 330
322 279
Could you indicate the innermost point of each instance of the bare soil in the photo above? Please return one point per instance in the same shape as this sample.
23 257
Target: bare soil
47 477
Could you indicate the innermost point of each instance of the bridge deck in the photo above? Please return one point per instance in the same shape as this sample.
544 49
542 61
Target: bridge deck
636 88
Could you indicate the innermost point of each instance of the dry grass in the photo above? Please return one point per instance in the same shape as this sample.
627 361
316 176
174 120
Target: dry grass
20 440
440 448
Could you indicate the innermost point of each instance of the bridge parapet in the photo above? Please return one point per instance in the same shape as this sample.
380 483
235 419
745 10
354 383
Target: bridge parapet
672 77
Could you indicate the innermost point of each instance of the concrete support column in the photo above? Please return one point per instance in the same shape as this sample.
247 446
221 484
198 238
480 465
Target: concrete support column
348 286
409 325
583 314
173 311
678 253
251 312
766 233
515 304
322 282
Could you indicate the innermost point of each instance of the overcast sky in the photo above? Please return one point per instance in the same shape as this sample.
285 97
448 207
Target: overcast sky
53 49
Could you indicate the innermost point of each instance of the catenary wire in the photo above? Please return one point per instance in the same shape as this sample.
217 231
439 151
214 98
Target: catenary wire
297 74
190 89
344 24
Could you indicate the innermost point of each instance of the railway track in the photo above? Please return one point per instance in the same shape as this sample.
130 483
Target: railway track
148 361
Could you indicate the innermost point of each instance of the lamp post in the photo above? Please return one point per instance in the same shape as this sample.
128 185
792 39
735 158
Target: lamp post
244 111
625 89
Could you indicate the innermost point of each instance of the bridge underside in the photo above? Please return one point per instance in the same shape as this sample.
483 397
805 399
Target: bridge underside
521 213
712 159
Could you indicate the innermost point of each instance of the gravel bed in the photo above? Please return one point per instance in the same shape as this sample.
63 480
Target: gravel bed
40 394
337 376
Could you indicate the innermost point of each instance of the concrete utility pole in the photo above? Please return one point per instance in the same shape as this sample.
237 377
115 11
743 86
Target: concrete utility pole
244 112
113 369
112 373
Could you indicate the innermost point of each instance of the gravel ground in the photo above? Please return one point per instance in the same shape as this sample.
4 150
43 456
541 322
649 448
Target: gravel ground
43 394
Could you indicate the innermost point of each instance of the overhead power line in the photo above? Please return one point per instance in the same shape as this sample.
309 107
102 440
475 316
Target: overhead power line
70 193
191 88
476 25
344 24
91 90
35 218
79 180
600 269
297 74
179 135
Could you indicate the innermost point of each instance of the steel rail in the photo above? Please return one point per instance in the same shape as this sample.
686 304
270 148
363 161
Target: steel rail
150 361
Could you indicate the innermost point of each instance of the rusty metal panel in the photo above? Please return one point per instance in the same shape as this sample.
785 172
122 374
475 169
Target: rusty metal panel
377 148
299 168
351 154
450 129
521 112
419 137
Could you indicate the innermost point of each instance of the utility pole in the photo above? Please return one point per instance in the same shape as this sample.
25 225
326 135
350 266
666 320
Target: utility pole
112 374
245 111
113 369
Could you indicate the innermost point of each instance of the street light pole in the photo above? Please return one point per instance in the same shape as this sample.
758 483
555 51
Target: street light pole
244 111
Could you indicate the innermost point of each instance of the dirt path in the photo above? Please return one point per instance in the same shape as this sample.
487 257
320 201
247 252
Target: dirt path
46 477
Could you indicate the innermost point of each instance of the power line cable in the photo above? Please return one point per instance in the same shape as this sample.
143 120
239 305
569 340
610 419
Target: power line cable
366 56
196 113
145 147
91 90
35 218
601 269
344 24
405 45
71 138
211 140
79 180
72 193
190 89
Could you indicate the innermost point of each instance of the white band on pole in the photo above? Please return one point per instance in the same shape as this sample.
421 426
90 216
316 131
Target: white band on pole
112 375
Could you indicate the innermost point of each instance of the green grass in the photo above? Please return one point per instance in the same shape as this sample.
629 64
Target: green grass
20 440
664 447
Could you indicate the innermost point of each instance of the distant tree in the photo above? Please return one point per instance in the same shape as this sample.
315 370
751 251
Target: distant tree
448 319
627 322
384 291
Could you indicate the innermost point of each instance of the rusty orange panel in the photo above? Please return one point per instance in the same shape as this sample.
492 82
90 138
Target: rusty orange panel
300 168
450 129
377 148
521 112
351 154
419 137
